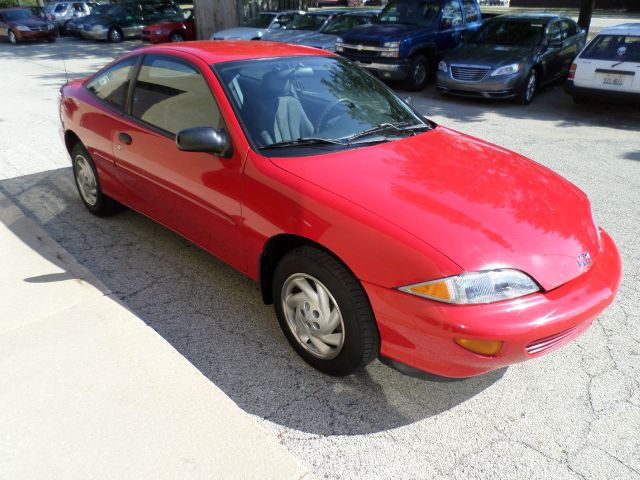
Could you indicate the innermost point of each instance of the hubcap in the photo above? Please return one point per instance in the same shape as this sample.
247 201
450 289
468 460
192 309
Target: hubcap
419 74
313 316
115 35
86 180
12 37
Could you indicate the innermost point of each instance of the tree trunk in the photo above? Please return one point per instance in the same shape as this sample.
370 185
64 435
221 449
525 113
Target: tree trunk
214 15
586 11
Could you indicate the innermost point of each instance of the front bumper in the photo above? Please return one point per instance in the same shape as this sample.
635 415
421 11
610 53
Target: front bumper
101 34
420 333
36 35
629 97
504 86
392 69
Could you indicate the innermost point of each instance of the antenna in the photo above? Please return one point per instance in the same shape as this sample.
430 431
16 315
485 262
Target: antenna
61 51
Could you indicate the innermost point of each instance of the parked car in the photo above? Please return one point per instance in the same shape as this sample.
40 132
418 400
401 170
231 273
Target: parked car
75 26
609 67
371 229
511 56
18 24
332 3
409 38
338 25
61 12
127 20
177 29
302 26
258 26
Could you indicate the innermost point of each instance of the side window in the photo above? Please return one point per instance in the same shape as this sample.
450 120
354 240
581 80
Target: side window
555 31
471 12
111 85
173 95
61 7
569 29
284 19
451 14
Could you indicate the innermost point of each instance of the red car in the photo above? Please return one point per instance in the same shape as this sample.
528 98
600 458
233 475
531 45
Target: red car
371 229
18 24
173 30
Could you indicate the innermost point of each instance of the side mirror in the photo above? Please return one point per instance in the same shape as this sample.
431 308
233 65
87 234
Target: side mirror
555 43
205 139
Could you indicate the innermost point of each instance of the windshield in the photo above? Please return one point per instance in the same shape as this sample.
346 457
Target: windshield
617 48
263 20
500 32
307 22
342 23
16 15
100 9
422 13
288 99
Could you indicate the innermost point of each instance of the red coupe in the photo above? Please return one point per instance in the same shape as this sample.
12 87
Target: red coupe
179 29
371 229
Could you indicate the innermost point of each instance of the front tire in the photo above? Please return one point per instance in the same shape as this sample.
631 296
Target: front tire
115 35
87 181
529 89
324 312
419 72
13 39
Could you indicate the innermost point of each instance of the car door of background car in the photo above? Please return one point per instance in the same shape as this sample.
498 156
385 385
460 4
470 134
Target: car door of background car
571 44
451 26
196 194
553 57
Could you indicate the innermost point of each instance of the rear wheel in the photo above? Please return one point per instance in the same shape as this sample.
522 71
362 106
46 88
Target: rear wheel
115 35
419 71
12 37
88 184
324 312
176 37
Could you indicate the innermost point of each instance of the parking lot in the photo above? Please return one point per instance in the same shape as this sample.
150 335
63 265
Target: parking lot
572 414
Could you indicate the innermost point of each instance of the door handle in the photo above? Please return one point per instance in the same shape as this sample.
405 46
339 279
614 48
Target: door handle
125 138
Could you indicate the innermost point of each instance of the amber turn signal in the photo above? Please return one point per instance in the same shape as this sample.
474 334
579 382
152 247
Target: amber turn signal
482 347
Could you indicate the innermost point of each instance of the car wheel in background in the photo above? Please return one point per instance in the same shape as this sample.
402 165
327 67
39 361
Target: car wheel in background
88 183
12 37
115 35
529 89
324 312
419 72
176 37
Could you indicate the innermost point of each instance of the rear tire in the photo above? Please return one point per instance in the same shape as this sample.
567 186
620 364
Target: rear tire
87 181
115 35
419 73
316 299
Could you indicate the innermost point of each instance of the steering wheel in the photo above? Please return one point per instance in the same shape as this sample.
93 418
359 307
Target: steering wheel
323 115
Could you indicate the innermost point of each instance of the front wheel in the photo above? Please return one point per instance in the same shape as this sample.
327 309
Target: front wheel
115 35
12 38
419 71
529 89
88 184
324 312
176 37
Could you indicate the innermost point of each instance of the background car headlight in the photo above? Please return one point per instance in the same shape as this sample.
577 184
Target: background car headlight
23 28
507 70
339 44
442 66
476 287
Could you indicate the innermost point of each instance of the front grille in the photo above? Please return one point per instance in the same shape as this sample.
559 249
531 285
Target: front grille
468 74
546 344
360 54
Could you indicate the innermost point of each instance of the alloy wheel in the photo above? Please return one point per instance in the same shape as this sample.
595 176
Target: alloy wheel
12 38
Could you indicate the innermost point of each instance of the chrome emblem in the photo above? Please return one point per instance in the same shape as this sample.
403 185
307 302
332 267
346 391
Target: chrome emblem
584 259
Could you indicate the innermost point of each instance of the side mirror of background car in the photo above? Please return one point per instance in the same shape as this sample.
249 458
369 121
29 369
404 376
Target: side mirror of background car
555 42
205 139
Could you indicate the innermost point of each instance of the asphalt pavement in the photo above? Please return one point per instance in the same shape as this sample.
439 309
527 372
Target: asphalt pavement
572 414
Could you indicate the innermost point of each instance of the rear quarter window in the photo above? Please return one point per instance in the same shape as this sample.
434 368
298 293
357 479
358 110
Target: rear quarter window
613 47
111 85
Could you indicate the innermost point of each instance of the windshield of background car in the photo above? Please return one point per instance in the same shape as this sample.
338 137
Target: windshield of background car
307 22
422 13
16 15
290 98
617 48
100 9
342 23
518 33
263 20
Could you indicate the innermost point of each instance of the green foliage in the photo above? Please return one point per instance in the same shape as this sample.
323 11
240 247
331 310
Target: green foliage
14 3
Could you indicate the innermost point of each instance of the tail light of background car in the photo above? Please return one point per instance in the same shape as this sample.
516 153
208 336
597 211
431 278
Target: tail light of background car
572 71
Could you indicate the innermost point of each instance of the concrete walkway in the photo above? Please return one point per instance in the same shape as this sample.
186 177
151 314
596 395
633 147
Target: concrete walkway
87 390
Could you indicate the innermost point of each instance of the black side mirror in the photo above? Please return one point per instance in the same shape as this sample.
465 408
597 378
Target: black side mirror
205 139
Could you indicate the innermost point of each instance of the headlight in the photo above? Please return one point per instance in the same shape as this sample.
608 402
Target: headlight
391 44
97 27
476 287
442 66
158 32
507 70
23 28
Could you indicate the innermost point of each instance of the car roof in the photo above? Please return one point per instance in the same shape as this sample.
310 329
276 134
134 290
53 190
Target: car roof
540 17
230 50
622 29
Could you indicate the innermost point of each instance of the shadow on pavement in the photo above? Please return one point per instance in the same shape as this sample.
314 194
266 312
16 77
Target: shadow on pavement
213 316
67 48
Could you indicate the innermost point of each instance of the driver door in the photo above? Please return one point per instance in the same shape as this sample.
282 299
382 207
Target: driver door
451 26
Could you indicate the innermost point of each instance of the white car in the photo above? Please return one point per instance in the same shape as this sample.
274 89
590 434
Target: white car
608 67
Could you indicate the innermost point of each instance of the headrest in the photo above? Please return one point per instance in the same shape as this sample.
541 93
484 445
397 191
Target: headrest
275 84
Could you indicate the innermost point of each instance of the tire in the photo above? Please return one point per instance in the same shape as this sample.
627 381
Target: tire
176 37
419 73
355 340
11 36
88 184
528 89
114 35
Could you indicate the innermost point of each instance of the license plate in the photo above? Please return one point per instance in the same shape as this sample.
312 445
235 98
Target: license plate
615 80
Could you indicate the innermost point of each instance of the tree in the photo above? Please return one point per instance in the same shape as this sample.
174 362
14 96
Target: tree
214 15
586 11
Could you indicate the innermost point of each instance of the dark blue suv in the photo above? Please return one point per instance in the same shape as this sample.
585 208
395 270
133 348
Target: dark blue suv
409 38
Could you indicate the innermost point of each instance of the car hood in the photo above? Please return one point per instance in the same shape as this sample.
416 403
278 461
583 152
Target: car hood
319 40
382 32
29 22
287 36
240 33
490 55
481 205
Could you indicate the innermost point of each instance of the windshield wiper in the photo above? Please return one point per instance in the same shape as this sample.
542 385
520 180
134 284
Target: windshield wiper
386 127
303 142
